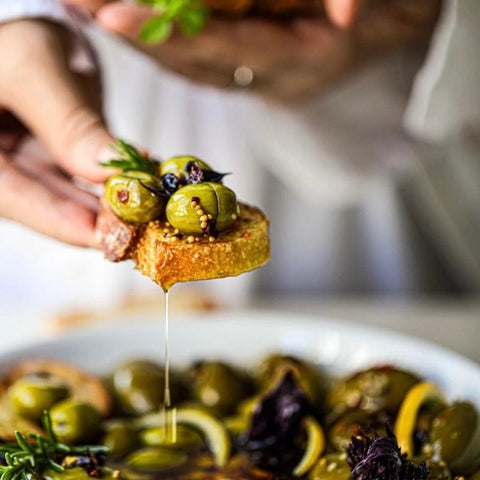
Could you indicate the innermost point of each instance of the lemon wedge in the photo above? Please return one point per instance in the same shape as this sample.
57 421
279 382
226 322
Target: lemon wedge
316 444
215 433
417 396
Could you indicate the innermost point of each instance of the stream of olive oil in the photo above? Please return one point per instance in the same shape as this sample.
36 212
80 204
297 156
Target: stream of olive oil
169 411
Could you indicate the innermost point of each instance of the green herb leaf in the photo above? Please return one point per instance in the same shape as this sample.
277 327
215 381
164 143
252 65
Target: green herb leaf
156 30
129 159
31 455
190 15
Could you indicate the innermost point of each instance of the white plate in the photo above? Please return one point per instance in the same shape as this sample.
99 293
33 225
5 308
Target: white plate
245 337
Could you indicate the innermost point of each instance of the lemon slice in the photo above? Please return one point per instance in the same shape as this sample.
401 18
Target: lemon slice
316 444
417 396
214 432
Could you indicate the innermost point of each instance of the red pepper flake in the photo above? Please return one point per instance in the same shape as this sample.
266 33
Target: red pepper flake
246 235
123 196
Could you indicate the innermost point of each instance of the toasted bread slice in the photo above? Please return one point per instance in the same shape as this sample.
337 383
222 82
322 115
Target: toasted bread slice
168 257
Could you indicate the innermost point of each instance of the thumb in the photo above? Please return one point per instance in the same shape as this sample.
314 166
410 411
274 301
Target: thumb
124 19
54 104
342 13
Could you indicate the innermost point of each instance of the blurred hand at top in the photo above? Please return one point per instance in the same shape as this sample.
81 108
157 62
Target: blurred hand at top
289 60
51 130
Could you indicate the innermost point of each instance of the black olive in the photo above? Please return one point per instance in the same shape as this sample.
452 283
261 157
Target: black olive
170 183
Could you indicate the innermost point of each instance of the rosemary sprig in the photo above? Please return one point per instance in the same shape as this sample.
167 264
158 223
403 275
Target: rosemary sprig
189 15
129 158
28 458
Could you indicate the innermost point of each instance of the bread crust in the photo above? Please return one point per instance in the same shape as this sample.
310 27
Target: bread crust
167 260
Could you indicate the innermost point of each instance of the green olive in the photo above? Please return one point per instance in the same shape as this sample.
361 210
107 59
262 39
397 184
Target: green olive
218 386
119 438
30 396
184 437
156 458
455 437
333 466
274 367
423 426
437 470
351 423
75 421
214 199
176 165
131 201
373 390
138 386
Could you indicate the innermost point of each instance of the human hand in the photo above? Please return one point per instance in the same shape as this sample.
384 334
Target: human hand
51 133
288 60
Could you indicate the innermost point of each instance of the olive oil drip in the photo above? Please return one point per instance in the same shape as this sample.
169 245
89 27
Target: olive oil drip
169 412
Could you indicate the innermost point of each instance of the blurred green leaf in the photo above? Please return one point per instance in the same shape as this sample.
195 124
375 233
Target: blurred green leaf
189 15
156 30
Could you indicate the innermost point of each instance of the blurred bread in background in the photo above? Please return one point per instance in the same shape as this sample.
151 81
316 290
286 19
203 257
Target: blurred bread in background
186 300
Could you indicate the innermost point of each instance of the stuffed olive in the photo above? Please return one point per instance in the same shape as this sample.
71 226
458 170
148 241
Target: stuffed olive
202 208
351 423
31 396
178 165
138 386
75 421
274 367
218 386
132 196
455 437
373 390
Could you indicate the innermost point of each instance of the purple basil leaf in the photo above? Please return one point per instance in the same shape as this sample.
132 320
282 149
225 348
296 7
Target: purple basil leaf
211 176
380 458
193 173
277 416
